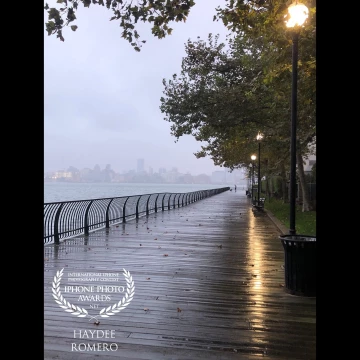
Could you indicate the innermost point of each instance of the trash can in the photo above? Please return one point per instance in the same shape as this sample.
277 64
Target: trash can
300 264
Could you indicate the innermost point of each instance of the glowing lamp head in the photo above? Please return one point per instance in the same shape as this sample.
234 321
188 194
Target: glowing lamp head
259 136
298 13
253 157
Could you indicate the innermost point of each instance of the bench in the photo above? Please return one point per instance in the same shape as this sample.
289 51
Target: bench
259 204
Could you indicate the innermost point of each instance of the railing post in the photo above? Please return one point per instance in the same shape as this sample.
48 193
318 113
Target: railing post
107 221
137 207
174 201
169 202
162 203
147 205
156 203
179 200
56 224
124 208
86 220
182 200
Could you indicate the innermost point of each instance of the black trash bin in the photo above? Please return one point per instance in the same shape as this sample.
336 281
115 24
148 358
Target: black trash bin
300 264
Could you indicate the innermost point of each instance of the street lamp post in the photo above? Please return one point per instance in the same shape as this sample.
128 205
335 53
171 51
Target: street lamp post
250 178
258 138
300 250
253 158
298 13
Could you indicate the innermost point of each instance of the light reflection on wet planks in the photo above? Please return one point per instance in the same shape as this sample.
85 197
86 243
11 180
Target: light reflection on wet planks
223 270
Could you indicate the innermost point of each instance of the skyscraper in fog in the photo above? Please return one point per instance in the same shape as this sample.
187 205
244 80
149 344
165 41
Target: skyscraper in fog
140 165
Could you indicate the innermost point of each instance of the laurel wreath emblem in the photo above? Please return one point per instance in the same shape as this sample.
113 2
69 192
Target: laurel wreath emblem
81 312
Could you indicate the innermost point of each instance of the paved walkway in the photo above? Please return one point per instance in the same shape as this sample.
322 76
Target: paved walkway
209 284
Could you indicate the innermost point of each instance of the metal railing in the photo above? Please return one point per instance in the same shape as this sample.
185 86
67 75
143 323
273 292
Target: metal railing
67 219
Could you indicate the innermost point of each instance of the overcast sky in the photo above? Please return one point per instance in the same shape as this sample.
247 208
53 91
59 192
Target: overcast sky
102 97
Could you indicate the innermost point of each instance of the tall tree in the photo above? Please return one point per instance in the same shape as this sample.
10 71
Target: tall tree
224 95
220 97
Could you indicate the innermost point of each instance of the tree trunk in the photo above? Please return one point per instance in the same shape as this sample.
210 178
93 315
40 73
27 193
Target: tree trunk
300 194
306 203
283 185
267 185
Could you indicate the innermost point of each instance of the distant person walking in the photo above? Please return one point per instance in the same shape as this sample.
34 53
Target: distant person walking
235 187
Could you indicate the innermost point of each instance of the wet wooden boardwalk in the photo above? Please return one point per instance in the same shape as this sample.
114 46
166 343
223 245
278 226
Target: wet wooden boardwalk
208 285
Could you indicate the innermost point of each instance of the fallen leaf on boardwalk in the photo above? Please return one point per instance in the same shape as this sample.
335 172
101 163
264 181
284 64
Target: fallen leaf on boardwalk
89 248
220 246
178 310
187 219
254 275
199 224
140 245
177 231
185 254
97 322
166 255
116 226
146 309
155 239
147 278
159 247
282 285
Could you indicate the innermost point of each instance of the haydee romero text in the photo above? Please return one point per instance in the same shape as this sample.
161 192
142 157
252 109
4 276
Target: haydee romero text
96 346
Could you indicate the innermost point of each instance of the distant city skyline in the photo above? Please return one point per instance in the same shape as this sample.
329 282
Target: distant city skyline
135 165
97 173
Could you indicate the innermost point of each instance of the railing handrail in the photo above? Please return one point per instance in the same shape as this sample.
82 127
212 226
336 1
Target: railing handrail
64 219
127 196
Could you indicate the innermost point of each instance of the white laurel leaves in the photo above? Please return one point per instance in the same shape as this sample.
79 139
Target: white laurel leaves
125 301
59 299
